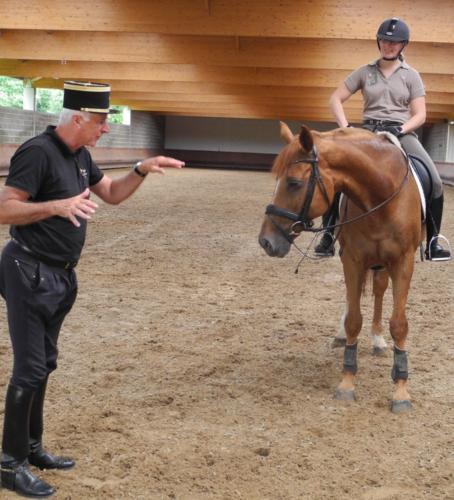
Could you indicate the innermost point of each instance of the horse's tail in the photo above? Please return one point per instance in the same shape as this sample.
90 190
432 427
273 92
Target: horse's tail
369 279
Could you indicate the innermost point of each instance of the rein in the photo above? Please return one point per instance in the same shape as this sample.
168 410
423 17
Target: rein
301 220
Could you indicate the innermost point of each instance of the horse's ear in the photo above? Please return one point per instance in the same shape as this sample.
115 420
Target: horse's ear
286 133
306 140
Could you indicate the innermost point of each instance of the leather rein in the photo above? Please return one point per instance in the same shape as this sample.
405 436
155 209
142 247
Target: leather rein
301 221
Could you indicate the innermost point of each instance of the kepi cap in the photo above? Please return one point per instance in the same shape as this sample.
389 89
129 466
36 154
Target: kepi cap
87 96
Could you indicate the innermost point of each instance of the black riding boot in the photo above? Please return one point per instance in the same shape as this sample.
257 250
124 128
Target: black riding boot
434 251
325 248
15 474
38 456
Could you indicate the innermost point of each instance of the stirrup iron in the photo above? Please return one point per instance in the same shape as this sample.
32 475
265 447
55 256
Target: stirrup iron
437 238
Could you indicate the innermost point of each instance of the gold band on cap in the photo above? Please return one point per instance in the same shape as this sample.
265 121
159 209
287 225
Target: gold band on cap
95 110
89 87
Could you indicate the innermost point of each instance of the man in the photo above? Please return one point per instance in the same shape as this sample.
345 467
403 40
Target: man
46 202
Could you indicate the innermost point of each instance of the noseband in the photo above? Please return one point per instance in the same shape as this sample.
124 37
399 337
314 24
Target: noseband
301 220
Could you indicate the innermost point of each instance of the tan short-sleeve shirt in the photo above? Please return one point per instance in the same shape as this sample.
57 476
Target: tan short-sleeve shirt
386 98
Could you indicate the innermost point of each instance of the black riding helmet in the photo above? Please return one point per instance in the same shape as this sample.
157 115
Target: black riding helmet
394 30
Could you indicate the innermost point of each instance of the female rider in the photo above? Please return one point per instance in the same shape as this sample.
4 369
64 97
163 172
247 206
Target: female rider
394 101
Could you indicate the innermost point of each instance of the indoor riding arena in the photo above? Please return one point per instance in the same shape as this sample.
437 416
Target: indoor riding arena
192 365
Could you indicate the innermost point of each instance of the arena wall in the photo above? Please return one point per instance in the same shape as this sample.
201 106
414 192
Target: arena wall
123 145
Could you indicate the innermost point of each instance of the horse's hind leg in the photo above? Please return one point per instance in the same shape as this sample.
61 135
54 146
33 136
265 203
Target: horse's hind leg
401 276
381 280
354 280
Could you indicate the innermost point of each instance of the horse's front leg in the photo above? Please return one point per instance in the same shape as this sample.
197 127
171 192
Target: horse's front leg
401 276
354 279
380 280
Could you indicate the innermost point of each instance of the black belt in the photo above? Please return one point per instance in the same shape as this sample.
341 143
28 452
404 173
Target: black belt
50 262
384 123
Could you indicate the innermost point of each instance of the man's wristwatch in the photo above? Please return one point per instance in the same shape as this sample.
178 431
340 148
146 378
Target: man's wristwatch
137 170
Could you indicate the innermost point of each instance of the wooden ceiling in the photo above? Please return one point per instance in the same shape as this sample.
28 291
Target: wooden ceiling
226 58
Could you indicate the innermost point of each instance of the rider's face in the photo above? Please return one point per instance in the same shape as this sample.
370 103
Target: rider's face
390 49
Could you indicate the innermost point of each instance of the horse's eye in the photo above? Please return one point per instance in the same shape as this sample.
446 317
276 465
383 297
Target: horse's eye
293 183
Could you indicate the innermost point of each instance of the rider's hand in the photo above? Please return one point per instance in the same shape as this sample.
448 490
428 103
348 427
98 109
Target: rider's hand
394 129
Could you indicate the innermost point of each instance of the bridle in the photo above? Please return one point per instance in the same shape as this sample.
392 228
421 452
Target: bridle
301 221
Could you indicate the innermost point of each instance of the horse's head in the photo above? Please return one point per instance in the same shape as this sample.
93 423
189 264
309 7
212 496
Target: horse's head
301 192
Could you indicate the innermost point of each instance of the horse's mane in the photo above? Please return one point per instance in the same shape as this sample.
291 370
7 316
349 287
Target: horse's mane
340 135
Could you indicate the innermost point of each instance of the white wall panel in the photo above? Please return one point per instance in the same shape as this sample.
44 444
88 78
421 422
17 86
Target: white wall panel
229 135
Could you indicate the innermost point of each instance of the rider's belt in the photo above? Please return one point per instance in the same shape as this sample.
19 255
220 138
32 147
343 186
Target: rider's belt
384 123
50 262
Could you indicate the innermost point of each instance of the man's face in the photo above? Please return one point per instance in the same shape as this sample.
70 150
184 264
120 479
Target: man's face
92 130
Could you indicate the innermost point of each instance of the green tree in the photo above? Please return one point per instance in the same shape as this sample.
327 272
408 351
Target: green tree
118 117
49 100
11 92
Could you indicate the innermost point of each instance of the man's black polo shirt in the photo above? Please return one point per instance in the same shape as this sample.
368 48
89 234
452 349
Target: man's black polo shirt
47 170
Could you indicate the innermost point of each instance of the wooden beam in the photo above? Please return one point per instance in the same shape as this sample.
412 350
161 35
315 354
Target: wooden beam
215 51
292 18
314 99
204 108
206 88
192 73
304 96
252 112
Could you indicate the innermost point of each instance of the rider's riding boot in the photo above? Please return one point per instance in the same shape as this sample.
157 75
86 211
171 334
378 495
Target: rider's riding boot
38 456
15 473
434 250
325 248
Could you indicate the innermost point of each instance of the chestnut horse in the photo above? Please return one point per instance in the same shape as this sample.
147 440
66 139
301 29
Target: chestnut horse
380 228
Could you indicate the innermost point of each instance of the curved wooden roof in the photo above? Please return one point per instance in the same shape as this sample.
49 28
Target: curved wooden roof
229 58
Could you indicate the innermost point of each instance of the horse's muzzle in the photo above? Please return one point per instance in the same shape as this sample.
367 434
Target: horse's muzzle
274 245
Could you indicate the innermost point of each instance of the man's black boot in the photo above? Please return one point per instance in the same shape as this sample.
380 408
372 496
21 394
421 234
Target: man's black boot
15 474
38 456
434 250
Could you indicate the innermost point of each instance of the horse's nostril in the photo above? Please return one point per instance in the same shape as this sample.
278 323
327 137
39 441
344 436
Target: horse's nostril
265 244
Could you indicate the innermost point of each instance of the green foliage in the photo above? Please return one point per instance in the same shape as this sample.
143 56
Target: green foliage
117 117
47 100
11 92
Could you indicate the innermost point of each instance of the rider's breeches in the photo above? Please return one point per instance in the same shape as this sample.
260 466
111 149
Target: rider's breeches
38 297
412 146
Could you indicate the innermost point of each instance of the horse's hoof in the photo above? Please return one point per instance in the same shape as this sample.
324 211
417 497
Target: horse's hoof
401 406
344 395
379 351
339 342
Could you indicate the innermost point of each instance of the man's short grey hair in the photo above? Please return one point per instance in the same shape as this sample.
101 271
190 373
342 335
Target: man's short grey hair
67 114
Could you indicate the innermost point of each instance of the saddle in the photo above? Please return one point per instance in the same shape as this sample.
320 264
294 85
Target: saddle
420 172
423 178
